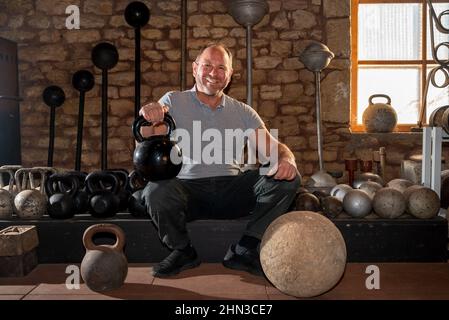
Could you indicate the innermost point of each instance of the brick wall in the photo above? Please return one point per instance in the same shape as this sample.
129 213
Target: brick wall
283 89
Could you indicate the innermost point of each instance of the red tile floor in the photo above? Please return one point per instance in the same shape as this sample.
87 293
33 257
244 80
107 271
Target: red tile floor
211 281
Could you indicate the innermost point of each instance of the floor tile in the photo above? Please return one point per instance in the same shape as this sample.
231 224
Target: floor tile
10 296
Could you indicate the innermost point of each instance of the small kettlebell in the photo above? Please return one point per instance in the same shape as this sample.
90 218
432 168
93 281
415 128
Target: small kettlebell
122 192
6 199
104 267
103 202
156 157
30 203
61 202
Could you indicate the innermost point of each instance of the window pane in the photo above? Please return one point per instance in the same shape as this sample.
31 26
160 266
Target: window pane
437 97
389 31
400 83
443 52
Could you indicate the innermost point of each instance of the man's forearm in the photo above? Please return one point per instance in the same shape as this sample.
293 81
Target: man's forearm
285 153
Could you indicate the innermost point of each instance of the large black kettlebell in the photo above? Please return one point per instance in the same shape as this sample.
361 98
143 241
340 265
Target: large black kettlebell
156 157
61 202
103 202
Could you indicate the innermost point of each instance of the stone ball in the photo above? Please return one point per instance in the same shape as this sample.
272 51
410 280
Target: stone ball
370 187
357 203
389 203
410 190
399 184
303 254
332 207
423 203
307 202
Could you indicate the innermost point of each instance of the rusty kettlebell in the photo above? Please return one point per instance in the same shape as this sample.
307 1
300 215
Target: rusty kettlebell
104 267
379 117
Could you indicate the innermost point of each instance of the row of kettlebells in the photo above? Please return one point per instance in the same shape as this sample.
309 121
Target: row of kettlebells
32 192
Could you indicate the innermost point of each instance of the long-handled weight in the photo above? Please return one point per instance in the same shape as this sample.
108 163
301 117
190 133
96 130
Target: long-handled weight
104 57
53 97
82 81
137 15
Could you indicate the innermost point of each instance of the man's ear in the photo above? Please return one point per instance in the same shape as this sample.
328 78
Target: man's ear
194 68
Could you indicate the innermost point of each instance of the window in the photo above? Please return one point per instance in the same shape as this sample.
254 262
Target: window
392 55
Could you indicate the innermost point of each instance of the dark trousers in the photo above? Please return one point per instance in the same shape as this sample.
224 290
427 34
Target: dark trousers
174 202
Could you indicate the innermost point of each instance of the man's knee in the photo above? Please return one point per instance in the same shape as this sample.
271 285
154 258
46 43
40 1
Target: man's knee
289 186
162 192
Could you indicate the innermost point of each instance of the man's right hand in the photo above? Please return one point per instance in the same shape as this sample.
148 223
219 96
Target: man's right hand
153 112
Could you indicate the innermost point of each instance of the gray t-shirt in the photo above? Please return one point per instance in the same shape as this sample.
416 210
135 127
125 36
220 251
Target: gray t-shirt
212 141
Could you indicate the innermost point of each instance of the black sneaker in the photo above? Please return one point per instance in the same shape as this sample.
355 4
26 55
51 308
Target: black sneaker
176 262
249 261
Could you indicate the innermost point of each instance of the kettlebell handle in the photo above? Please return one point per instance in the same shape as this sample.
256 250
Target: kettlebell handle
65 179
98 176
370 100
104 227
141 121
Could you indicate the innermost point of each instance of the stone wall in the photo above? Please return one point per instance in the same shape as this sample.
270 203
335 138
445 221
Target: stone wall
283 89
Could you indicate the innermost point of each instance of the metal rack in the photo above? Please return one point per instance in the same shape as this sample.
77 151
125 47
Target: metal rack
433 137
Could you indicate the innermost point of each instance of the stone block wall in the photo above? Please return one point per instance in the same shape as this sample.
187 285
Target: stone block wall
283 90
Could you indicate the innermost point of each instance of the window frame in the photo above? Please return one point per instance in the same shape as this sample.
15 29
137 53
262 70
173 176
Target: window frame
423 63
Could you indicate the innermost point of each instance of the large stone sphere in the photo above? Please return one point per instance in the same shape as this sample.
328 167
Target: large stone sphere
303 254
389 203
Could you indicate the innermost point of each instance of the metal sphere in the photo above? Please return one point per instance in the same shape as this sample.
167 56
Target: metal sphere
137 14
370 187
357 203
105 55
248 12
367 176
83 80
53 96
316 56
340 190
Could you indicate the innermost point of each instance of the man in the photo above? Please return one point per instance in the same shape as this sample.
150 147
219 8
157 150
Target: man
216 190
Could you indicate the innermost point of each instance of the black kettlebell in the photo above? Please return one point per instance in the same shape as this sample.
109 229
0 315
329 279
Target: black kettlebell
136 205
61 203
123 193
80 199
103 202
156 157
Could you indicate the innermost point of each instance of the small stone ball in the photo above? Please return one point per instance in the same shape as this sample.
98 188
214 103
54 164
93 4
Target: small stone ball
389 203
